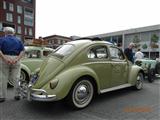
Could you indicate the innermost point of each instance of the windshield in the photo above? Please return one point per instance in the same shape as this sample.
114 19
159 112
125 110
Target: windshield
63 50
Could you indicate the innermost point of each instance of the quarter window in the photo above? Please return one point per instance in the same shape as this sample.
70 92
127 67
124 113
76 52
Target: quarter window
46 53
33 54
99 52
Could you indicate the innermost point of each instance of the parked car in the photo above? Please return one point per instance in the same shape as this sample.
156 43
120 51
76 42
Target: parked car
34 55
80 69
150 67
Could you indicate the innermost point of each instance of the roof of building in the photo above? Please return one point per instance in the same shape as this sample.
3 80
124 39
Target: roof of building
130 31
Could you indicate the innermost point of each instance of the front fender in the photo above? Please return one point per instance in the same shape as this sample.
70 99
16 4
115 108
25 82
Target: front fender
26 69
133 74
67 78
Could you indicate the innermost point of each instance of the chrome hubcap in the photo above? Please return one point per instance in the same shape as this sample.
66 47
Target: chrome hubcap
83 93
139 82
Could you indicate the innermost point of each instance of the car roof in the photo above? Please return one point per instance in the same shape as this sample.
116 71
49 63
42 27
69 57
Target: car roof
85 41
38 48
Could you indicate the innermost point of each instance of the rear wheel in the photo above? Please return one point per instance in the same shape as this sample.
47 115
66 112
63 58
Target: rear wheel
81 94
151 75
139 81
24 76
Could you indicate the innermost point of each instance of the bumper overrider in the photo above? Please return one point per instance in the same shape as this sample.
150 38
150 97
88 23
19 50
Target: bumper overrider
39 95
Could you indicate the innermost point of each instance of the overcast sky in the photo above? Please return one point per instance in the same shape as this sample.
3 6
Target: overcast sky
92 17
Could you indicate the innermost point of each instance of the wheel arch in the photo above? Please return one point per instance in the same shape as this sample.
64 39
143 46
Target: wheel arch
25 69
133 74
69 78
91 79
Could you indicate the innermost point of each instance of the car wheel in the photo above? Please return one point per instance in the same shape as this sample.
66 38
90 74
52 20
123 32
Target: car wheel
139 81
24 76
81 94
158 68
10 83
151 75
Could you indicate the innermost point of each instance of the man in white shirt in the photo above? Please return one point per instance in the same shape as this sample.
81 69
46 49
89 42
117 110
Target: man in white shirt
139 54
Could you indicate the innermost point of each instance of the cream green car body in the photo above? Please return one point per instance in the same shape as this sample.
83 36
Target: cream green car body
80 69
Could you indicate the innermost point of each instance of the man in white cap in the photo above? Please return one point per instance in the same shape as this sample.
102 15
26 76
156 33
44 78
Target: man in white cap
129 53
11 51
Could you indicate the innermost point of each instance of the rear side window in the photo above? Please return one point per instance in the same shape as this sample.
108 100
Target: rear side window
33 54
99 52
46 53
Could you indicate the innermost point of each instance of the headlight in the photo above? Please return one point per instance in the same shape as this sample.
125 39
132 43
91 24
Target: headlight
34 78
53 83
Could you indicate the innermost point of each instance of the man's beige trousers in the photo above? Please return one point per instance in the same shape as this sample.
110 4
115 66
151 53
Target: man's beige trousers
9 72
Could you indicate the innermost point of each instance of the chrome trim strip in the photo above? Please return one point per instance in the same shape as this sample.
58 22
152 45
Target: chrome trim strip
115 88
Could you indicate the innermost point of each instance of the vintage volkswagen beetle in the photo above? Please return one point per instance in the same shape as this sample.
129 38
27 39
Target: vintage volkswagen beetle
80 69
34 55
150 67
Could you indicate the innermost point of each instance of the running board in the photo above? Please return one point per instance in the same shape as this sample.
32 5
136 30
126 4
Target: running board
115 88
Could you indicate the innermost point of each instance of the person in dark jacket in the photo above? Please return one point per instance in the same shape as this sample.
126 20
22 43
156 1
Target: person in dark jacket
11 51
129 52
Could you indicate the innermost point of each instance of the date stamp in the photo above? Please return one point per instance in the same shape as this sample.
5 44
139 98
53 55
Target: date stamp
139 109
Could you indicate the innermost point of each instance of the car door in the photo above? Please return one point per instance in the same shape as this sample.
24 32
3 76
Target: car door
119 67
99 63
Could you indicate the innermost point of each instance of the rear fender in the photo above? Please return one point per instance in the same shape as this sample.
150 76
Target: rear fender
67 79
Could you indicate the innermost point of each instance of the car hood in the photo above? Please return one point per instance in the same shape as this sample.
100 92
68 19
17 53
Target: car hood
147 62
48 70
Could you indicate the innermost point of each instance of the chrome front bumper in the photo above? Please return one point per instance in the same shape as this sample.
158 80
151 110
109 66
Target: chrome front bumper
43 96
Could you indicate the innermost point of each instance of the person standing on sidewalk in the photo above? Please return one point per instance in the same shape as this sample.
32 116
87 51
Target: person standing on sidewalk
11 51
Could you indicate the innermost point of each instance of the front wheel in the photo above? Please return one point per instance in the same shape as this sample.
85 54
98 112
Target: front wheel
81 94
139 81
158 68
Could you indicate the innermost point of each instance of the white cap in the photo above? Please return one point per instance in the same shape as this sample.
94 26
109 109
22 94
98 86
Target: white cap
8 30
132 44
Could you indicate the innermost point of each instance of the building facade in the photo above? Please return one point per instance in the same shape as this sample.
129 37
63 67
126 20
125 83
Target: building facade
19 14
145 38
55 41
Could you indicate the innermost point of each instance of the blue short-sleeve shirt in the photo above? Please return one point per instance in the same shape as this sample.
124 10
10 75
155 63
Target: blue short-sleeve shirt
10 45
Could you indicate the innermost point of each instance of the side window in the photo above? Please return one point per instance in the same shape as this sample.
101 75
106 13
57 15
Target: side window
99 52
46 53
116 54
33 54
